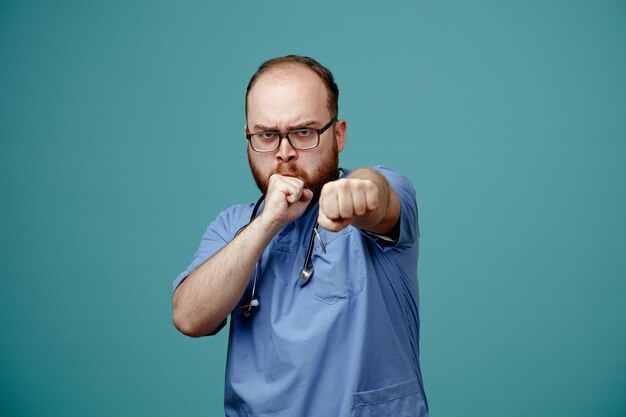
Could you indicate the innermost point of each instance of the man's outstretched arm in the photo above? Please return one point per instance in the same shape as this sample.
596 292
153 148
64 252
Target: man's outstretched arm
208 295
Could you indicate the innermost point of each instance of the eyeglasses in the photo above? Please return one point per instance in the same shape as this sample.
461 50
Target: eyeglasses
301 139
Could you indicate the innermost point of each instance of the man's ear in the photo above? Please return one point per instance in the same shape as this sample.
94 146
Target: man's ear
341 128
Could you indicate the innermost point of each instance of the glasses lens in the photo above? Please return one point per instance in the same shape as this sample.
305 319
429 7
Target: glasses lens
303 138
264 141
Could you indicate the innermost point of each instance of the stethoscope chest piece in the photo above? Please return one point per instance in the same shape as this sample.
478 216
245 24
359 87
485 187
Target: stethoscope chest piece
305 275
307 269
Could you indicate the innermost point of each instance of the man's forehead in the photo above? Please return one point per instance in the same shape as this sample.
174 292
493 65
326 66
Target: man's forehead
289 95
295 76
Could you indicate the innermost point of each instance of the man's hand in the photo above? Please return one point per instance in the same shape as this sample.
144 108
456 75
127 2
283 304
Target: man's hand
346 200
285 201
364 200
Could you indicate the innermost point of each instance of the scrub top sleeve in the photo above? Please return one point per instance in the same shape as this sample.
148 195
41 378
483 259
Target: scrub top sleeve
409 229
216 236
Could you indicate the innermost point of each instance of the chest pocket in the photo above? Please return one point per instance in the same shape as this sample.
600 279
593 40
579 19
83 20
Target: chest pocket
340 272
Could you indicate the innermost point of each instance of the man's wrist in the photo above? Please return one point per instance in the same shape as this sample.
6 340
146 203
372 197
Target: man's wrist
266 223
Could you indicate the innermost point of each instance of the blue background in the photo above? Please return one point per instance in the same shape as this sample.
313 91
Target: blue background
121 127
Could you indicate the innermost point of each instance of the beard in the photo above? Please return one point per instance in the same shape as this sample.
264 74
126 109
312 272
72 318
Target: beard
326 172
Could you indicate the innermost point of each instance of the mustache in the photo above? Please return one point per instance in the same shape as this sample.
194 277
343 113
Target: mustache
291 170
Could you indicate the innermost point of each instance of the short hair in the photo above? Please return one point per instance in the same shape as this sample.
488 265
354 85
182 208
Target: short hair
324 73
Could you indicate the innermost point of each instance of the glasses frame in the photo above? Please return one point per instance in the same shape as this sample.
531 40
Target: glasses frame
285 135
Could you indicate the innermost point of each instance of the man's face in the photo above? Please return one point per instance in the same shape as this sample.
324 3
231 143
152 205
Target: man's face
288 98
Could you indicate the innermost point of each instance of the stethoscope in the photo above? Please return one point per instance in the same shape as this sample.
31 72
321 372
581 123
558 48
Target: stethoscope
307 268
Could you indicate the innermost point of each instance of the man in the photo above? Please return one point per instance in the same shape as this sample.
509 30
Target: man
324 319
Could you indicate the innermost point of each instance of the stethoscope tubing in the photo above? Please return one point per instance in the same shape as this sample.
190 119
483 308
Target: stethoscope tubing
307 268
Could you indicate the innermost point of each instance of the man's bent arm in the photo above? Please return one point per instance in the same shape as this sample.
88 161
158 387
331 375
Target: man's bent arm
208 295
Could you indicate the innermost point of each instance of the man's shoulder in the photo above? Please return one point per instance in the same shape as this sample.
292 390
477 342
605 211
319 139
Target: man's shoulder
236 212
240 208
232 218
390 172
396 179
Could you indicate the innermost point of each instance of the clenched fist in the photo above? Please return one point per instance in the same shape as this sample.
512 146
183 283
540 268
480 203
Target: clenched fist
285 201
348 201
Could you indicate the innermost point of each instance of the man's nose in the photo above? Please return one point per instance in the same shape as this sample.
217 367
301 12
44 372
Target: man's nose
286 152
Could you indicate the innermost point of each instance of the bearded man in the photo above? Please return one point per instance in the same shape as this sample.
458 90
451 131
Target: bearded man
320 276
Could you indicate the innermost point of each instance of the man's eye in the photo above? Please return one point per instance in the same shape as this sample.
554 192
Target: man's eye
304 133
267 135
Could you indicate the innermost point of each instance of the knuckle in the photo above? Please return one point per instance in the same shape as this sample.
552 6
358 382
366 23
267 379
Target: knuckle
325 224
344 185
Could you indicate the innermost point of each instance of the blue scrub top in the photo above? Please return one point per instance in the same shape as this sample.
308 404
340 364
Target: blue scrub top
345 344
